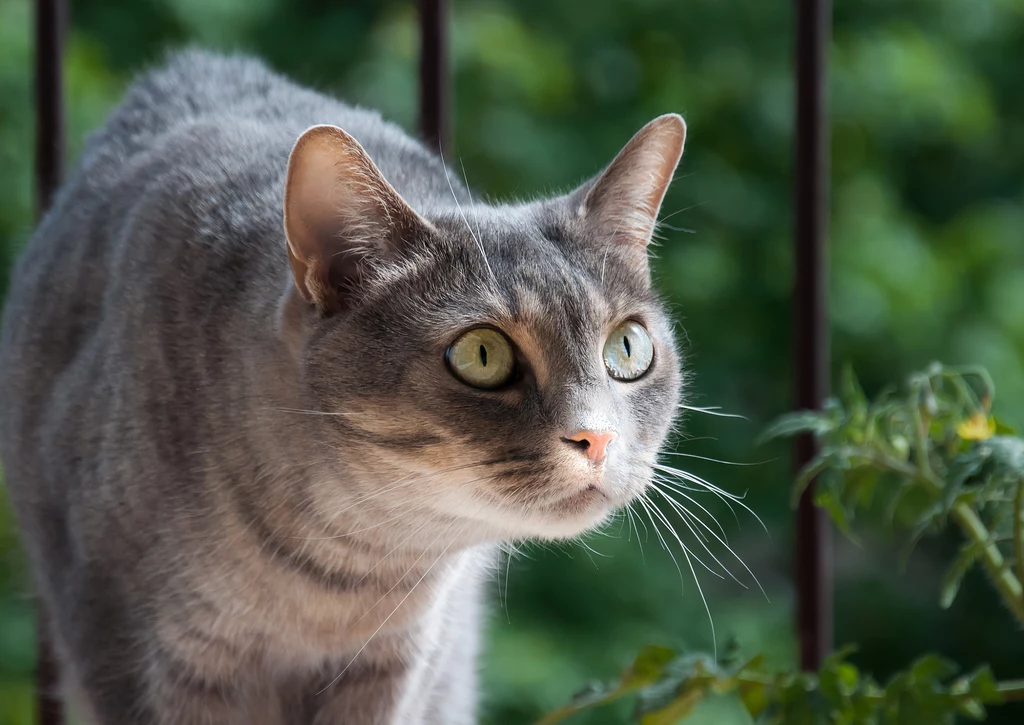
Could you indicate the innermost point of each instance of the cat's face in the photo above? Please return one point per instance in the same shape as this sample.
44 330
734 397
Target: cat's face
507 366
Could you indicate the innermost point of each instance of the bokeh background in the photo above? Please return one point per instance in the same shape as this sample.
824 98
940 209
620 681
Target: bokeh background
927 240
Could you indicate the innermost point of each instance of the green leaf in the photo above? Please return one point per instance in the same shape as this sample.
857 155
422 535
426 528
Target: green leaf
648 667
689 696
754 696
801 421
932 667
851 393
1004 429
954 575
826 497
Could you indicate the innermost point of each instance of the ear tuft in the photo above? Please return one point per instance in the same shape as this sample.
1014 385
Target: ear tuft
340 214
622 205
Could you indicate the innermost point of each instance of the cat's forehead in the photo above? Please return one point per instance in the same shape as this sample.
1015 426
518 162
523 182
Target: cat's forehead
535 260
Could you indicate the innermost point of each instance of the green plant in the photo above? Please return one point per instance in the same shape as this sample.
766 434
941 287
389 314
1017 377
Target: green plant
924 460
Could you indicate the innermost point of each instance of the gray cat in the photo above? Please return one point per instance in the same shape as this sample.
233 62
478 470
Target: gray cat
274 393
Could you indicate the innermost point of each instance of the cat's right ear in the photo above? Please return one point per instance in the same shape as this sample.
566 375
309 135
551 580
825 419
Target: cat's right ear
340 216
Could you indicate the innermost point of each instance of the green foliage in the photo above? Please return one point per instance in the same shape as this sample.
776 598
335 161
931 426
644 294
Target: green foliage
672 685
932 458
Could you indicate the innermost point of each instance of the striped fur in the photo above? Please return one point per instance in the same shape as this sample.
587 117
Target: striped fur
251 491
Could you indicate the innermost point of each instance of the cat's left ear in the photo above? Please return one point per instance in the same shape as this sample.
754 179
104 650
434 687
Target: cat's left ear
622 204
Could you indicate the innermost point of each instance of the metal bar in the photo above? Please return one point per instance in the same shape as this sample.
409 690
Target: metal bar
50 26
814 574
434 79
50 19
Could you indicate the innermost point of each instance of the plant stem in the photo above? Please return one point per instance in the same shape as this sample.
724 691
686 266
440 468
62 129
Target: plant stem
1012 690
1003 579
1002 576
1018 529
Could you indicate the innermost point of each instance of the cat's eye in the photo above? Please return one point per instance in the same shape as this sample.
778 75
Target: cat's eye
628 351
483 358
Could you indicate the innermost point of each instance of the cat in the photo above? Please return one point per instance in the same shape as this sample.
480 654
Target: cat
276 389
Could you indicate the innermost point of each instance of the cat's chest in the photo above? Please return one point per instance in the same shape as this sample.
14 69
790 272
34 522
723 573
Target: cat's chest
305 622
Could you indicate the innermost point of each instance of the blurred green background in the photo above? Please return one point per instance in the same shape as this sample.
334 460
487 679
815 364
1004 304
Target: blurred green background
927 240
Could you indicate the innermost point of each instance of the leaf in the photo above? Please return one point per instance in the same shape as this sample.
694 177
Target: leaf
982 685
851 394
804 478
954 575
648 667
826 498
932 667
800 421
681 707
754 696
1004 428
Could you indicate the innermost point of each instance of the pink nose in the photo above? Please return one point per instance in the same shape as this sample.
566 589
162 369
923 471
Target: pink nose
592 443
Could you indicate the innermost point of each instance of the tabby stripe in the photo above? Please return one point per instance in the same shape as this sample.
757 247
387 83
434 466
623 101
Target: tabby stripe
184 676
285 554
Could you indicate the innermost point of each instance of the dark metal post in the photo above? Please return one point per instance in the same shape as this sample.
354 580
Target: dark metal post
434 73
810 320
50 24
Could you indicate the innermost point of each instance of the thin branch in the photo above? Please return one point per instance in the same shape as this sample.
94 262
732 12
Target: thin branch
1003 578
1018 529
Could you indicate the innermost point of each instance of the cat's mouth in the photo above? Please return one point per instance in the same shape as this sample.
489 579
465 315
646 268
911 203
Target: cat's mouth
590 498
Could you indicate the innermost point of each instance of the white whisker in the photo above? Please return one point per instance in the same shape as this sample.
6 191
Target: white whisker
713 460
479 245
713 410
664 519
686 517
681 489
645 502
393 611
713 488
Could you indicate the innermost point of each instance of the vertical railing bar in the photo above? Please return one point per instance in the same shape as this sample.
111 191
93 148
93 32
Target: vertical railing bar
810 321
434 78
50 25
50 22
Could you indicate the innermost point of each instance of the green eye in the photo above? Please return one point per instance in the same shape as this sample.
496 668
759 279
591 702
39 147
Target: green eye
628 351
483 358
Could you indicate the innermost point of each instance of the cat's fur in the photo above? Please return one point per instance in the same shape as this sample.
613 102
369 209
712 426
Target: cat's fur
251 491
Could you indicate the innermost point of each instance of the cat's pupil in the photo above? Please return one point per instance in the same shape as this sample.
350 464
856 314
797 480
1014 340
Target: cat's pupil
625 344
483 356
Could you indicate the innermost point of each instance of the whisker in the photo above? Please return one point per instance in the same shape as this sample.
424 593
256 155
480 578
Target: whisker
393 611
300 411
647 533
476 239
713 488
586 546
714 460
714 410
465 179
412 478
644 501
686 516
735 555
508 566
387 555
681 488
707 608
395 585
661 515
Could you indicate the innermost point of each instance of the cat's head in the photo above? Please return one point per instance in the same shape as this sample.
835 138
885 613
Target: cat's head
504 365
